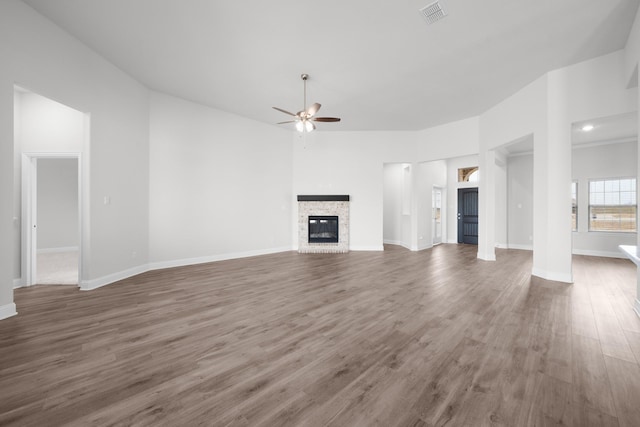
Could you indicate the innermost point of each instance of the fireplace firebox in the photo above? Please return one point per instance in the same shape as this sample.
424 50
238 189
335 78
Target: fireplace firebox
323 229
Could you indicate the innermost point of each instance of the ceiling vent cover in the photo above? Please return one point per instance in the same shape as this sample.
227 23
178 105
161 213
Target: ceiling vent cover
433 12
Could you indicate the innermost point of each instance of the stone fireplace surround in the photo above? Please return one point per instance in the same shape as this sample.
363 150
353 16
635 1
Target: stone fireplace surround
323 205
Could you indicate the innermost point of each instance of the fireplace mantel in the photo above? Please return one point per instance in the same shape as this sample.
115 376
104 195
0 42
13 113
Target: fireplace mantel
324 198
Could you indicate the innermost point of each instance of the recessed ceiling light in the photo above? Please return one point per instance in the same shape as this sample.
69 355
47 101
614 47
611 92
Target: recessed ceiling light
587 128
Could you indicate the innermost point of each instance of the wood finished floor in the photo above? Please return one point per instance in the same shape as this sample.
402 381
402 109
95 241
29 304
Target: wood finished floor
392 339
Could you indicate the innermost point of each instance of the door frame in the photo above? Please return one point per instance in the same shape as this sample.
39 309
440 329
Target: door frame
433 223
28 263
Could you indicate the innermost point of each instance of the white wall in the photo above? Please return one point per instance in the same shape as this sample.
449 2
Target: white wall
350 163
392 204
430 174
632 53
39 56
500 219
601 161
456 139
520 201
220 184
57 203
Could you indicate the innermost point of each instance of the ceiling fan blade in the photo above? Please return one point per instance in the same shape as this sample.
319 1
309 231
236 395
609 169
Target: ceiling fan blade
283 111
326 119
290 121
313 109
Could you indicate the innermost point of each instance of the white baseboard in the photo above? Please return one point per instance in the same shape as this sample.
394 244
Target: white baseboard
487 256
520 247
397 243
366 248
57 250
552 275
7 310
18 283
453 242
213 258
89 285
502 246
636 307
606 254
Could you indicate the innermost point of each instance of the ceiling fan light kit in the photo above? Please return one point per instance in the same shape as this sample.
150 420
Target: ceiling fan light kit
304 119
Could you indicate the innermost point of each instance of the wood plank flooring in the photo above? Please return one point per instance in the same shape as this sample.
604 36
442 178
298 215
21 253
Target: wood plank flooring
393 338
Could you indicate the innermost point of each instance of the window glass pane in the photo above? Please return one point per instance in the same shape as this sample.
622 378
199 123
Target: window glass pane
612 186
627 198
612 205
596 198
612 198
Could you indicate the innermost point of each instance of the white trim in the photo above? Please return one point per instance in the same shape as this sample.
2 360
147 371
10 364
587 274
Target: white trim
89 285
604 142
487 256
367 248
631 252
28 265
636 307
607 254
7 310
213 258
452 242
390 242
58 250
18 283
521 247
553 276
426 246
502 246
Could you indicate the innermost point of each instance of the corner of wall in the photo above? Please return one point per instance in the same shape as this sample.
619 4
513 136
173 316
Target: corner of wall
7 310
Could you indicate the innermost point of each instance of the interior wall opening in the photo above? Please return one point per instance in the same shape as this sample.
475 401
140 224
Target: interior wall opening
49 141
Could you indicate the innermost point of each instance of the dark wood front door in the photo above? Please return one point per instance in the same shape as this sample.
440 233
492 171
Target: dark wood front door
468 215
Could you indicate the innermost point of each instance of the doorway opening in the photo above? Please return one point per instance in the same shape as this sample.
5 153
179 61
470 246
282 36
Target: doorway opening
51 218
50 145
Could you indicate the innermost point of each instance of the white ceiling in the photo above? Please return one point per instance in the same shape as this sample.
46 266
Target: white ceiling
376 64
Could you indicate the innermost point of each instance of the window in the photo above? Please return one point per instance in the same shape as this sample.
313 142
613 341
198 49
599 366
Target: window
612 205
574 206
468 174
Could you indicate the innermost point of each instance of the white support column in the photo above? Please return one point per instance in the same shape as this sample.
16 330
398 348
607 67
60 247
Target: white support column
7 306
636 305
487 206
552 187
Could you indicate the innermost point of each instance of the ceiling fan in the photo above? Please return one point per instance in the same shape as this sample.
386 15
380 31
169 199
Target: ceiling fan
304 119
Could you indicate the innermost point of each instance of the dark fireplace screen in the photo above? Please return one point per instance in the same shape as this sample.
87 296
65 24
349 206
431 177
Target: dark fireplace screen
323 229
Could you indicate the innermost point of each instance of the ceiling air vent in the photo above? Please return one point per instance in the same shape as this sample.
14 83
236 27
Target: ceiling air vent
433 12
